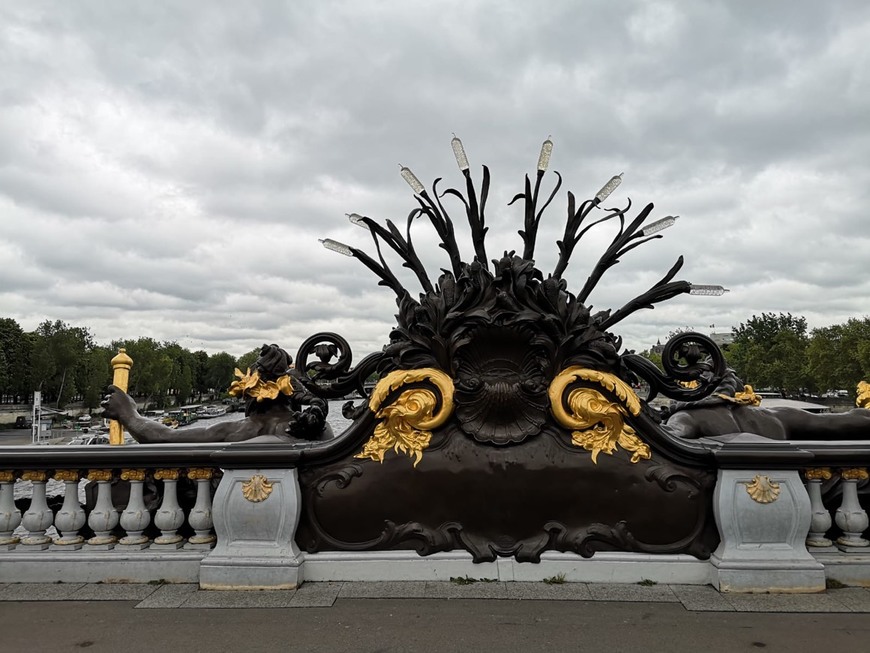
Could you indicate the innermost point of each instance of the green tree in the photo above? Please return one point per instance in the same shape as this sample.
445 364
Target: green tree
219 371
838 356
93 375
769 351
58 350
246 361
151 372
15 354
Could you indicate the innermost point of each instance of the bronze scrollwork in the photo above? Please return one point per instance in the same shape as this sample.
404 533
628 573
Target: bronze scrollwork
598 424
407 422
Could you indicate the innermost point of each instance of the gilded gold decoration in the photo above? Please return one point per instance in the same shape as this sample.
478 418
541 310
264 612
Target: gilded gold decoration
763 490
745 398
691 385
598 422
166 474
7 476
66 475
38 476
407 423
250 384
99 474
121 365
133 474
818 474
200 473
257 489
854 474
863 399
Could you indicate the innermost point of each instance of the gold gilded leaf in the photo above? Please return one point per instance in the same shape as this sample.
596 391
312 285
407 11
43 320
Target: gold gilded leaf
598 423
407 423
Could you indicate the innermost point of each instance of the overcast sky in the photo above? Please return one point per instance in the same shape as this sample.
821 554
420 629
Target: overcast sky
166 168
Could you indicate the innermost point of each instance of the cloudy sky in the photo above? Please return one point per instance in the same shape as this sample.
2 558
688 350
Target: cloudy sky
166 168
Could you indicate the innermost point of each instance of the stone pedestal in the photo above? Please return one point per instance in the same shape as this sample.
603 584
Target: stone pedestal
255 514
763 518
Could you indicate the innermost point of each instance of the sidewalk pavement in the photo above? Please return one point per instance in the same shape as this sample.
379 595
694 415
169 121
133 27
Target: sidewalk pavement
425 617
694 598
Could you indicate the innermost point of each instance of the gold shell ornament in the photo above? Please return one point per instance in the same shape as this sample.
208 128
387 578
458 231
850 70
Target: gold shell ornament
763 490
257 489
598 422
407 423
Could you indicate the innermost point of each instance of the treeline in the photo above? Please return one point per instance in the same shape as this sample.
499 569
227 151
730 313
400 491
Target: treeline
66 365
779 352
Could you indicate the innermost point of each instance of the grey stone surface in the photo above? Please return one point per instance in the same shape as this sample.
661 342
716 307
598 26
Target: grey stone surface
857 599
38 591
113 592
625 592
786 603
169 595
548 592
316 595
239 599
701 598
477 590
383 590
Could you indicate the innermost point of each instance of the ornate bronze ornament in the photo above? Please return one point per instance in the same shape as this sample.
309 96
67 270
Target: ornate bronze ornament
745 398
407 422
133 474
257 489
598 422
854 474
200 473
250 384
166 474
762 490
863 398
818 474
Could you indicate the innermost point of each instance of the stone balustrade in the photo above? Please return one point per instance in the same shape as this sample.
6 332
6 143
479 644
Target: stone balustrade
118 518
226 517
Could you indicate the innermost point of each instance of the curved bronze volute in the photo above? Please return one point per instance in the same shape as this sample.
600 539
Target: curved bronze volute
408 421
597 423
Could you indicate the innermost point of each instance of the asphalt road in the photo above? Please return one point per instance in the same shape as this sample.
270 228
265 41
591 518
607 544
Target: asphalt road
407 625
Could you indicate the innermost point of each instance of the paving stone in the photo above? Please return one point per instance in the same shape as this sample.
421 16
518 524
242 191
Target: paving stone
857 599
477 590
785 603
628 592
38 591
701 598
113 592
169 595
383 590
521 590
239 599
316 595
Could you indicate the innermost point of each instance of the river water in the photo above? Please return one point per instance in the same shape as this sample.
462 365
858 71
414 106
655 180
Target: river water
55 488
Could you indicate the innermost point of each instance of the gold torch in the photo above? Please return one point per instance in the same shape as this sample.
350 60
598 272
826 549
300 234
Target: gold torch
121 365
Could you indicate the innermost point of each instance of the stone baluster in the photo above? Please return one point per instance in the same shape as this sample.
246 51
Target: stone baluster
10 516
200 518
135 517
851 517
104 517
821 516
71 516
38 517
169 517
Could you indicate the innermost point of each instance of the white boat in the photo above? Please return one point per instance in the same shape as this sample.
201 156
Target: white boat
209 412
